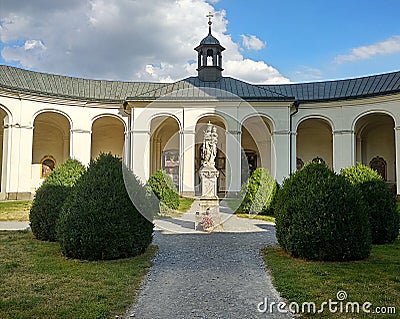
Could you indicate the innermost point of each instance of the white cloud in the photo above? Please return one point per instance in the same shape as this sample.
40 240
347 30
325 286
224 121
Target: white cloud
306 73
251 42
257 72
387 47
29 54
34 44
119 39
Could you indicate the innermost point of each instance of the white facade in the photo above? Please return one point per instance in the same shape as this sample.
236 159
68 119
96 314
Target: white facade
160 126
36 127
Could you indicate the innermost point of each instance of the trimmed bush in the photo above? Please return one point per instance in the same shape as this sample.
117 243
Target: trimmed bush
321 216
165 189
258 193
380 202
50 197
99 221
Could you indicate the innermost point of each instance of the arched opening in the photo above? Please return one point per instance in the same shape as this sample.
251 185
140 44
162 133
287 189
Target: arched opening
220 160
375 144
164 147
210 58
314 142
51 140
107 136
257 146
3 147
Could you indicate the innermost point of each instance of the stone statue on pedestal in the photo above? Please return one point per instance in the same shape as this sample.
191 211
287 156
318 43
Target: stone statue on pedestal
208 172
209 203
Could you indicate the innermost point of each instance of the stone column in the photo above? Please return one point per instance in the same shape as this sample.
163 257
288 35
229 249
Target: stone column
343 149
397 142
281 155
127 149
293 155
5 161
187 154
233 162
80 148
17 161
141 154
2 194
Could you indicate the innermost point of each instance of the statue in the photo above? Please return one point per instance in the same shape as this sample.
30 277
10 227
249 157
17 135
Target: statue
210 145
209 204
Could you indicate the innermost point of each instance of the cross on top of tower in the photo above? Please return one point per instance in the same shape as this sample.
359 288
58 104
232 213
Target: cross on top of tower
209 16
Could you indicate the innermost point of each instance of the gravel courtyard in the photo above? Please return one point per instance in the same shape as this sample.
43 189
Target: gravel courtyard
215 275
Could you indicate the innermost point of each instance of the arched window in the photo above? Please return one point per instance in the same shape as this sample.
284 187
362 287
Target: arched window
379 164
48 163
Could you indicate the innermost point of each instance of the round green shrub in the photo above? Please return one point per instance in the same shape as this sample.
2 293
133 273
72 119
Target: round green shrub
380 202
99 220
258 193
321 216
50 197
164 188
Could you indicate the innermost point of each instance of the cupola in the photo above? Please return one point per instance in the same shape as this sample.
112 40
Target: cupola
209 58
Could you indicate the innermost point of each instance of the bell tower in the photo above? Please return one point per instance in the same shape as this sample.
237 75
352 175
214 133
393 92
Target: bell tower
209 57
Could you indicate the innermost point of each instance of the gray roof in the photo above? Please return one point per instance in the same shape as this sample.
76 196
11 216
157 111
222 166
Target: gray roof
226 88
382 84
43 84
209 39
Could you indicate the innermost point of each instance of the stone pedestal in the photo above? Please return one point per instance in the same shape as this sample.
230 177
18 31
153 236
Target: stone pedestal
209 202
208 176
209 207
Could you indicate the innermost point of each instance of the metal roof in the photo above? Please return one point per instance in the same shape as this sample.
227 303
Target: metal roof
374 85
43 84
209 39
225 88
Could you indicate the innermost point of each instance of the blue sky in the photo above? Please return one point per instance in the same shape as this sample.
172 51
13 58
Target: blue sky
271 41
304 37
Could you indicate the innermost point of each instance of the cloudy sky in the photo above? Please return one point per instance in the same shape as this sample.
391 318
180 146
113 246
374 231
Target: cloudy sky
270 41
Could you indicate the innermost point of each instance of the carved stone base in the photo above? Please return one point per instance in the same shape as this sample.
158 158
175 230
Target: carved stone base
209 207
208 176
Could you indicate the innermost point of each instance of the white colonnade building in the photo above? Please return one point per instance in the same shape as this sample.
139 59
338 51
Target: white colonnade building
49 118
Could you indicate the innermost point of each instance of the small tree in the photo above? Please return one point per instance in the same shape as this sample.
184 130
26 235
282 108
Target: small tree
165 189
321 216
258 193
50 197
380 202
99 221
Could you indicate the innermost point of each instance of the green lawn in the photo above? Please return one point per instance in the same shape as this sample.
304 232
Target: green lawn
15 210
37 281
185 203
260 217
19 210
375 280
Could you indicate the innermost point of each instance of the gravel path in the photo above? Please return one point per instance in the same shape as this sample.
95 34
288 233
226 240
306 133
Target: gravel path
216 275
14 225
